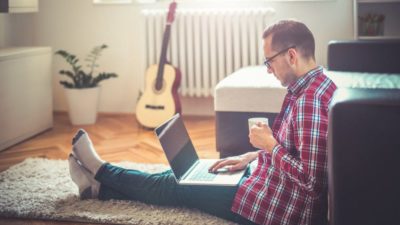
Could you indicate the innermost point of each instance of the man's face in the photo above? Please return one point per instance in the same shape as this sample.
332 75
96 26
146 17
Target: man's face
279 65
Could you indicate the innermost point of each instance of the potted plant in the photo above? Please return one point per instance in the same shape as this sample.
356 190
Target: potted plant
82 92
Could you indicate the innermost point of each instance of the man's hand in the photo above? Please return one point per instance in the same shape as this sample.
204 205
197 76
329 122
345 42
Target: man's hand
261 137
234 163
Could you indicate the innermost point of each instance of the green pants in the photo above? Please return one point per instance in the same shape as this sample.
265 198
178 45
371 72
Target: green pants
162 189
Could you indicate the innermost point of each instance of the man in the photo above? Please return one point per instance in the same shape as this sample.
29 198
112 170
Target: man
289 185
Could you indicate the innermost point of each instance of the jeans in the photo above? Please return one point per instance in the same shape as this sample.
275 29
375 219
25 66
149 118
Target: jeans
162 189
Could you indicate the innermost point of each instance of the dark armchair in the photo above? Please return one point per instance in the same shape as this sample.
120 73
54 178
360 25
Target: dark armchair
363 157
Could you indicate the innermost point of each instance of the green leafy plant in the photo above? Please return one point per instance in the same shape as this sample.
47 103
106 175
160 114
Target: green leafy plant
81 79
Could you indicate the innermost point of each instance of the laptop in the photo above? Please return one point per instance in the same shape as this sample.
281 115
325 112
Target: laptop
184 161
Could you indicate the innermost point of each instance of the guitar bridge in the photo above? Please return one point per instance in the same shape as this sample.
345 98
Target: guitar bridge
155 107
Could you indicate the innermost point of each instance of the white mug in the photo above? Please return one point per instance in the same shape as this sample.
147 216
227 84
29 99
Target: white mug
255 120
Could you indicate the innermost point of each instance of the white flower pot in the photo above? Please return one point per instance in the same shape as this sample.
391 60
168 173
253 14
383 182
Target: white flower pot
82 105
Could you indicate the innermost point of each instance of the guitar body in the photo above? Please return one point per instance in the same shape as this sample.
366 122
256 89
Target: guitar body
156 106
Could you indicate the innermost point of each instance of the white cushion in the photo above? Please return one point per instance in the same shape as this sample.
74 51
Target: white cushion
253 89
250 89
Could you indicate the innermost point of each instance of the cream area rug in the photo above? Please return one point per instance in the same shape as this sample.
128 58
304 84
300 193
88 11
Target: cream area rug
42 188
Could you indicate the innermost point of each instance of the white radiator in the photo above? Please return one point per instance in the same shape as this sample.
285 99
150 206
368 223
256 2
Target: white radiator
207 45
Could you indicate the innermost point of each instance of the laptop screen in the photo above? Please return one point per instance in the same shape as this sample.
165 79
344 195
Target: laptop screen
177 145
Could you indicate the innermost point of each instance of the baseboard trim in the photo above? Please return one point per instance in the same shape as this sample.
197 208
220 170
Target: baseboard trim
63 112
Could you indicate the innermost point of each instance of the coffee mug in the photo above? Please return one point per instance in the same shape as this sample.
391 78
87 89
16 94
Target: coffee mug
255 120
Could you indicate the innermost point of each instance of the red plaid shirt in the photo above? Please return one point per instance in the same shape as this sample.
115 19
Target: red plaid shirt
289 186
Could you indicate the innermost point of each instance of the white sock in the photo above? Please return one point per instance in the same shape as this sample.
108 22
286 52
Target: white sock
84 151
87 185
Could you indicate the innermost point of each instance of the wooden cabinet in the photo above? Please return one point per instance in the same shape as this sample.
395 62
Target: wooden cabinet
18 6
377 19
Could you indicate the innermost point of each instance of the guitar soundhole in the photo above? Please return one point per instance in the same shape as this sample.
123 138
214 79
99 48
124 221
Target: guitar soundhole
158 89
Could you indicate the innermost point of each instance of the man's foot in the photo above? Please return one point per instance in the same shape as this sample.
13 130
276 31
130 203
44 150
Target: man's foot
87 185
84 151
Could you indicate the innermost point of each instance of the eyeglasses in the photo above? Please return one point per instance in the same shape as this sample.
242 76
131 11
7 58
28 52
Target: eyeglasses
267 62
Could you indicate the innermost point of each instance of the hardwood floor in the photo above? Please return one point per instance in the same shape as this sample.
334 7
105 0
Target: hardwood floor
115 137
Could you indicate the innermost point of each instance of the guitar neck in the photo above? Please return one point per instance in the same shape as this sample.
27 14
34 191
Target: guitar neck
163 56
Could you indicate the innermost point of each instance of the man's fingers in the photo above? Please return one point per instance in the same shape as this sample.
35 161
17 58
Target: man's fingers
212 168
216 162
219 164
222 164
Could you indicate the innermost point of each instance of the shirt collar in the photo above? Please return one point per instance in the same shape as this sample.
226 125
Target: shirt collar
303 81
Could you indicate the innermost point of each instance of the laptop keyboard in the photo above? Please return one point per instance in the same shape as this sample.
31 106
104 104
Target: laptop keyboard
201 173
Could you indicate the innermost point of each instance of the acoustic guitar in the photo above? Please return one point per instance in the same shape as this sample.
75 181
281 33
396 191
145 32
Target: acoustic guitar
160 99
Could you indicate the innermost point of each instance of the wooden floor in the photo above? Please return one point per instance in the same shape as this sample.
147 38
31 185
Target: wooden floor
115 137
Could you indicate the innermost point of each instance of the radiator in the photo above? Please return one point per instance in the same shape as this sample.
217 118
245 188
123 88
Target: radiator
207 45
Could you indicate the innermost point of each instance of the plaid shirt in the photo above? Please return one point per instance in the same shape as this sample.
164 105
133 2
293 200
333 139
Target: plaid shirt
289 186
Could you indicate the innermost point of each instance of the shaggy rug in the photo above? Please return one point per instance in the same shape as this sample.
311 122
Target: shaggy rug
41 188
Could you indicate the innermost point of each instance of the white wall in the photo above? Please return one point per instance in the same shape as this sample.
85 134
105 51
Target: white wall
3 29
78 25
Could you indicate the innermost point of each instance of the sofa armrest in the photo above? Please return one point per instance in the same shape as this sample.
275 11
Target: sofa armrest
363 153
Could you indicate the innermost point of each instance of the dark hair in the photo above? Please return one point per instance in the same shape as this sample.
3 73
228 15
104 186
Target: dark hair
286 33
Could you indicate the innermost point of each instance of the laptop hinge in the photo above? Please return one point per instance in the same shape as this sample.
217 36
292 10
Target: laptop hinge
189 170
